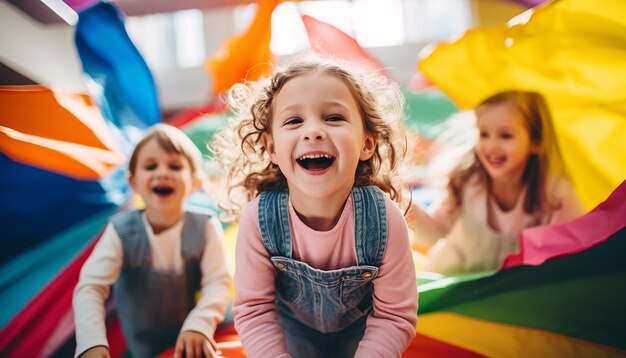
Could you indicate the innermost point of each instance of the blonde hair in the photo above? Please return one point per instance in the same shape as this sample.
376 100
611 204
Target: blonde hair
173 141
542 166
240 149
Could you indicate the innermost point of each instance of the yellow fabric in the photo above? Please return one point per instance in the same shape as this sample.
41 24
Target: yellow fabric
573 52
245 56
501 340
230 239
57 131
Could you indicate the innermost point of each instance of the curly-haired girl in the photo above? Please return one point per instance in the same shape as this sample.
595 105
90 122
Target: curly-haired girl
324 265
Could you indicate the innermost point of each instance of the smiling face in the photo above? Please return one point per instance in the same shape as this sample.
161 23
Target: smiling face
317 137
162 179
504 145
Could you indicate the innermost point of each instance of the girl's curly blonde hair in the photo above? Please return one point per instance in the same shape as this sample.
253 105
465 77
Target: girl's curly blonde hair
239 149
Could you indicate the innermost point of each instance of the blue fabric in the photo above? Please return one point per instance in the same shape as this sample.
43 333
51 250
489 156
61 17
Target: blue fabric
36 204
122 84
324 311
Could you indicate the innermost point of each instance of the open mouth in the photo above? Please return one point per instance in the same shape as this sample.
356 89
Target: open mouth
162 190
315 161
495 160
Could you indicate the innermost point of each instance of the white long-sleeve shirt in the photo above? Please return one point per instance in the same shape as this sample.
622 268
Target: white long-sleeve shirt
479 235
103 267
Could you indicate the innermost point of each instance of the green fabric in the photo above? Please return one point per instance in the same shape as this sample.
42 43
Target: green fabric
426 110
581 295
202 130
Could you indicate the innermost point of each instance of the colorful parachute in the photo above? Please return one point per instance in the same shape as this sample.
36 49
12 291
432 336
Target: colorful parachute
62 156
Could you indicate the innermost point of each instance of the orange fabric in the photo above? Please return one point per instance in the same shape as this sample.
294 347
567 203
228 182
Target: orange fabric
246 56
57 131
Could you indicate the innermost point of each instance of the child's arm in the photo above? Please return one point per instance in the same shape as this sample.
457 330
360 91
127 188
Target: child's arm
99 272
391 326
430 227
256 319
215 294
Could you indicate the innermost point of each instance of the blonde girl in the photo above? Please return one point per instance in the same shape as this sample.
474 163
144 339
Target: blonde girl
513 179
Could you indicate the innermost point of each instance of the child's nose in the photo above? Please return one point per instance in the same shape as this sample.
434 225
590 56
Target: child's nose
163 171
491 143
314 132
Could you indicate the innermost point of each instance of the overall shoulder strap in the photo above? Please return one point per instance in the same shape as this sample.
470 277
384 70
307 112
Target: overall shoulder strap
193 242
370 225
194 235
274 222
134 238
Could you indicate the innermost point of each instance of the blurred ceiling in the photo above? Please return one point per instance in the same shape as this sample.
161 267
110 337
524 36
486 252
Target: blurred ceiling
42 13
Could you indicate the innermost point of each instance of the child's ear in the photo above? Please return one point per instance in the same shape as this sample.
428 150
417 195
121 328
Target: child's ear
268 143
131 181
369 146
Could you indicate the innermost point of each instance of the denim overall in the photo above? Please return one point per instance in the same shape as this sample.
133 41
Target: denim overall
323 313
152 305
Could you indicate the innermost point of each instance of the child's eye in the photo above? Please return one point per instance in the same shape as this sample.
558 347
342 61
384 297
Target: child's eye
293 121
506 136
151 166
176 166
484 135
334 118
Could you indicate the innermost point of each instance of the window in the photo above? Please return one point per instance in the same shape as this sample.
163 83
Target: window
189 30
373 23
165 40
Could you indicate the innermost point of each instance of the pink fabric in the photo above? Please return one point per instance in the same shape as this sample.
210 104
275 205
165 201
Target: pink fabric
80 5
390 328
541 243
327 40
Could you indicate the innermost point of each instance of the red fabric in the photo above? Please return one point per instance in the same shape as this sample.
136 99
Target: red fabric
541 243
422 346
117 343
326 39
27 333
63 332
425 347
183 117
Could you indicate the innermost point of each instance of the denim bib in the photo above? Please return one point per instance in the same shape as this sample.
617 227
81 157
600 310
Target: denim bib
152 305
333 300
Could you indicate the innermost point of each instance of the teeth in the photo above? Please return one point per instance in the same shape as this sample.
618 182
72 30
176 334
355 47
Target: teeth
493 159
314 156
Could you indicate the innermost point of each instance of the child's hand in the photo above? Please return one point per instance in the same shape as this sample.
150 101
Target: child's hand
192 344
96 352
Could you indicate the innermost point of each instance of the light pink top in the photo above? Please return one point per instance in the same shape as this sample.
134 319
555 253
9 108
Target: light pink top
391 326
479 235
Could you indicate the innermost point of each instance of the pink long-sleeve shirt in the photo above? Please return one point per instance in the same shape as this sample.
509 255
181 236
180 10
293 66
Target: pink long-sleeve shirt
391 326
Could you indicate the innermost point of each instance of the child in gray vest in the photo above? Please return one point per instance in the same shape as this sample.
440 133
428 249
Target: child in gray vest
156 260
324 265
